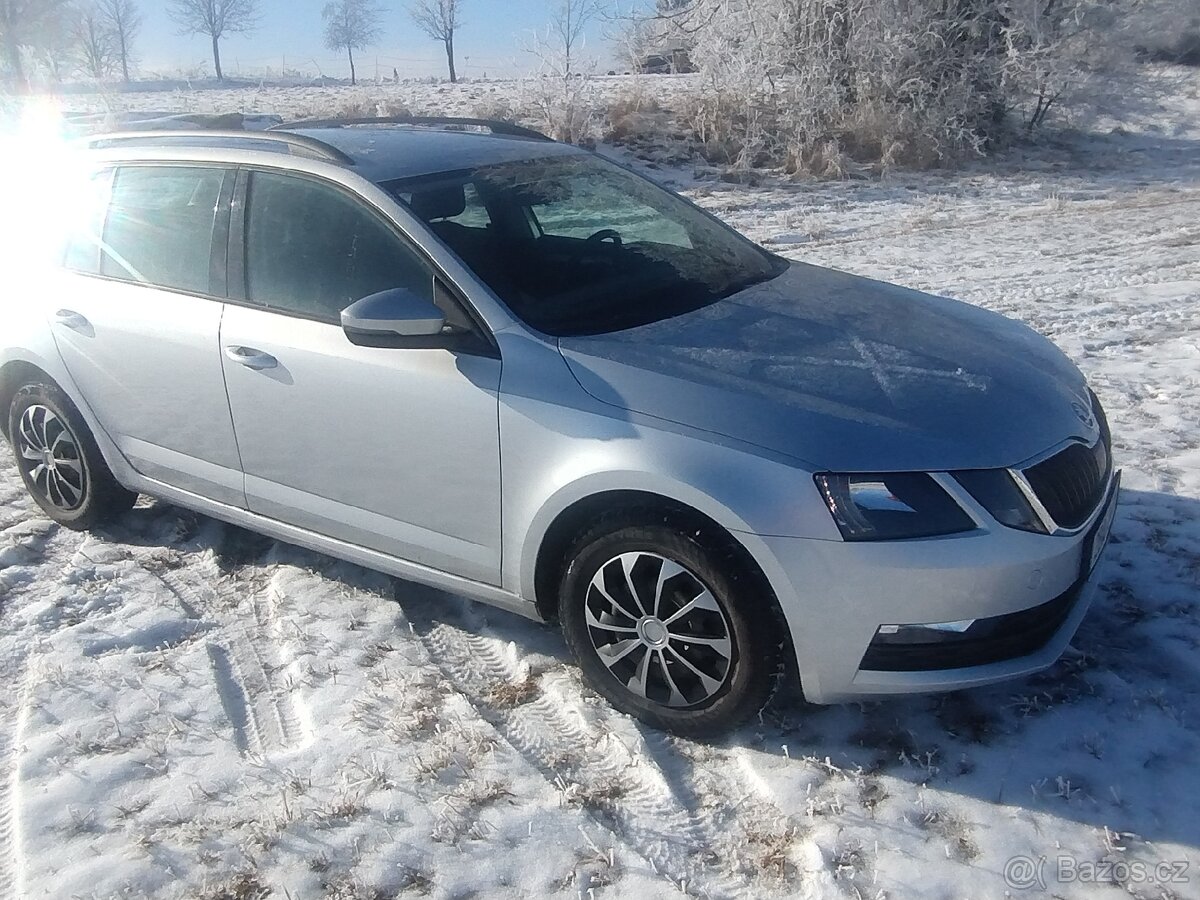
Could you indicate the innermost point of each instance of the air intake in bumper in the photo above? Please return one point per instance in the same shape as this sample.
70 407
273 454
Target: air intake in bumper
988 640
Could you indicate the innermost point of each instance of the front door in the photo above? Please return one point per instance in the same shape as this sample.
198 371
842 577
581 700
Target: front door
392 449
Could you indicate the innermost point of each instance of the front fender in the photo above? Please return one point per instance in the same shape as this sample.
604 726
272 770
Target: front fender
556 457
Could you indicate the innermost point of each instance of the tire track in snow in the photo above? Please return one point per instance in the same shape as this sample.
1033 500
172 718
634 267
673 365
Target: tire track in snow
12 726
25 558
269 706
623 792
749 830
262 709
234 701
9 850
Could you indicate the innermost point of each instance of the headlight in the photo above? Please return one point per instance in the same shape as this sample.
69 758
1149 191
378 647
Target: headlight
891 506
998 494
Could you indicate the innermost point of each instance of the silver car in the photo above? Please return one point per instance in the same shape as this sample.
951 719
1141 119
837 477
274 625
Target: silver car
469 356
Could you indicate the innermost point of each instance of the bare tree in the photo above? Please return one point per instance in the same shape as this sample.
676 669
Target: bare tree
560 97
123 20
215 18
54 42
439 19
95 43
25 23
569 23
351 25
14 20
637 39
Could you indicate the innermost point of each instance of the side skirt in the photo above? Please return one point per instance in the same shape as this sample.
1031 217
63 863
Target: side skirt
371 559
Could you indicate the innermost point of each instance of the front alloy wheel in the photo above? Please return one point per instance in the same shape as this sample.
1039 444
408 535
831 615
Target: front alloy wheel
669 626
658 629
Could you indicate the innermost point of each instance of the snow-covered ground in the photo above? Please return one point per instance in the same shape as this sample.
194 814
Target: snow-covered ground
191 710
417 96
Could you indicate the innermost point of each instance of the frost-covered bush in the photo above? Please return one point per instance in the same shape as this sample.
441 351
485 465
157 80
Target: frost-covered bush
635 115
496 107
806 82
561 96
564 106
816 84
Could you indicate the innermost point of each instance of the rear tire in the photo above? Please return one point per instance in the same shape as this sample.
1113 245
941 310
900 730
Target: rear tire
59 461
632 596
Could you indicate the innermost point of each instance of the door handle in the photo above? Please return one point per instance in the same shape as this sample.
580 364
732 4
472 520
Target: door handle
251 358
70 319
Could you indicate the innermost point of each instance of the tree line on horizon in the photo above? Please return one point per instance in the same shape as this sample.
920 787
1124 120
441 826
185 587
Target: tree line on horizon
95 38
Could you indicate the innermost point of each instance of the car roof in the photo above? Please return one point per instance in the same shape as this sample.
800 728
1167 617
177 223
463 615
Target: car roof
381 153
384 153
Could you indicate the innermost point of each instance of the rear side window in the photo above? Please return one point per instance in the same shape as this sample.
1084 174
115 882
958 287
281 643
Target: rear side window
450 201
313 249
159 229
82 252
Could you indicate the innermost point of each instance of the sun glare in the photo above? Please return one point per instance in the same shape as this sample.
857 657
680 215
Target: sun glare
44 187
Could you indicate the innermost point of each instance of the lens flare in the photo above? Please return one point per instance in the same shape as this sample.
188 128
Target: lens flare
45 180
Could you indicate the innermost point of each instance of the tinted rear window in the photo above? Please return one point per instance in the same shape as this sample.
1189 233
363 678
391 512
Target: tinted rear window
159 229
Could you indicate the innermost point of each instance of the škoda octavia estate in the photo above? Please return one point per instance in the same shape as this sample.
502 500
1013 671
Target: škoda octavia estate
469 356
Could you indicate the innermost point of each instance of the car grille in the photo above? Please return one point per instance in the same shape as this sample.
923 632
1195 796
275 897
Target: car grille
1070 484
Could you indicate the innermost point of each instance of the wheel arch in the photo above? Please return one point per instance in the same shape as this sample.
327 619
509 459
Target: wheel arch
649 507
13 375
26 368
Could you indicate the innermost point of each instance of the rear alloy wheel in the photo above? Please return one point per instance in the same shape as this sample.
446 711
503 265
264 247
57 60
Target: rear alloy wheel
49 457
666 633
59 461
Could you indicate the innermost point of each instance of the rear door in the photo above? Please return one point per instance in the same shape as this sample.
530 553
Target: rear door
138 317
397 450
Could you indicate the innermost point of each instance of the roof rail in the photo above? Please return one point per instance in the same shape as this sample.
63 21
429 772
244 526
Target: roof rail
295 144
496 126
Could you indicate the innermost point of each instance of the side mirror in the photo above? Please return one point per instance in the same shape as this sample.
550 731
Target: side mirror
392 314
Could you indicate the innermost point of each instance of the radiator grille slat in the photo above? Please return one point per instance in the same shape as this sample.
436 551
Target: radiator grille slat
1070 484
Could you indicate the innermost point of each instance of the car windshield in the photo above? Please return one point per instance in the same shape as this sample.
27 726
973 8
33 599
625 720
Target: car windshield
576 245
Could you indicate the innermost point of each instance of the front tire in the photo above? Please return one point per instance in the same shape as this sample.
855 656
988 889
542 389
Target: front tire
668 629
59 461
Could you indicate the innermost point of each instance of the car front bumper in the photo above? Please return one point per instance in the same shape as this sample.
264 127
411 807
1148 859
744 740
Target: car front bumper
1026 594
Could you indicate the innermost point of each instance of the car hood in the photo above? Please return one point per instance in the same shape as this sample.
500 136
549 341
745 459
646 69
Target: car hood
846 373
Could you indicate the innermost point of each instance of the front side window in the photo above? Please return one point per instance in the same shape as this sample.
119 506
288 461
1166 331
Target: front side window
575 245
314 249
159 229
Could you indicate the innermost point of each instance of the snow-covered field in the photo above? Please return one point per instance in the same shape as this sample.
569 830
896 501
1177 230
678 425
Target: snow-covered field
190 710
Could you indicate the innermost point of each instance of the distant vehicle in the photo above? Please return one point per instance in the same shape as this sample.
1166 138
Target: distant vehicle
676 62
469 356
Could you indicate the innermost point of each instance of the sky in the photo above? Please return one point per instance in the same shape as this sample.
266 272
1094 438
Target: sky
290 35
